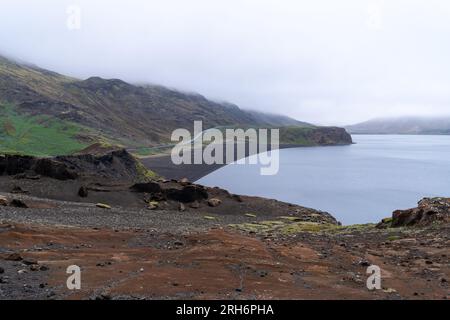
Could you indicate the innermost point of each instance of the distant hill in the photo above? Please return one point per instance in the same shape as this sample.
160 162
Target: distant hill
46 113
404 125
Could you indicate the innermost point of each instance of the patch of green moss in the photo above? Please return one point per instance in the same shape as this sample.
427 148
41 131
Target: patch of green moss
144 173
393 237
292 225
299 227
290 218
37 135
282 227
272 223
369 227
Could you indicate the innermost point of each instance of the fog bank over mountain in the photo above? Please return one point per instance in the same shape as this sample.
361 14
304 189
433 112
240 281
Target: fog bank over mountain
403 125
325 62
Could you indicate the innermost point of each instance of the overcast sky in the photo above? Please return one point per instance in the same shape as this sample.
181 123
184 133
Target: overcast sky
322 61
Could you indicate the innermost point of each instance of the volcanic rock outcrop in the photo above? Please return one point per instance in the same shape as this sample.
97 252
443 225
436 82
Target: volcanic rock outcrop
429 211
116 165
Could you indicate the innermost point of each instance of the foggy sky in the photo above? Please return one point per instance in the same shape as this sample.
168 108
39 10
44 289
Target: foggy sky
326 62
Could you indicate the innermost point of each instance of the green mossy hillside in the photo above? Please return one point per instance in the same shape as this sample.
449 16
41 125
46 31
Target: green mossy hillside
37 135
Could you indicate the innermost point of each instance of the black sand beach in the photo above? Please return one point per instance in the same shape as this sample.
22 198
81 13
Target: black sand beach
163 165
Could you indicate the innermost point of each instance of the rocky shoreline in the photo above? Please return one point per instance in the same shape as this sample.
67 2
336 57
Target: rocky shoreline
136 235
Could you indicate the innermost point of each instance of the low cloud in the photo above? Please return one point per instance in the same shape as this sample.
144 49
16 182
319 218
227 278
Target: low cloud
328 62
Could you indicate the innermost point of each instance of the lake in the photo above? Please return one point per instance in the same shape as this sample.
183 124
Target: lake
359 183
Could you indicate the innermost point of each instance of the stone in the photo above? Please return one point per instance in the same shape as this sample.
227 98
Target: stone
214 202
195 205
106 296
14 257
83 192
184 181
158 196
43 268
364 263
148 187
3 201
34 267
29 262
153 205
187 194
103 206
181 207
18 203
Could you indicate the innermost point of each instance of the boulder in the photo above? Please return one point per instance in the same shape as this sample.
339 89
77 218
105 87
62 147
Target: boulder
187 194
83 192
184 181
214 202
18 203
3 201
148 187
195 205
29 261
14 257
429 211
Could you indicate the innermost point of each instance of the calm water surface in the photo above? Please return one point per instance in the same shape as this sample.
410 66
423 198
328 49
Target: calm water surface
360 183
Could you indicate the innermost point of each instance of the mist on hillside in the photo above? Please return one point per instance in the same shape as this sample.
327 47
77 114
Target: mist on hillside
324 62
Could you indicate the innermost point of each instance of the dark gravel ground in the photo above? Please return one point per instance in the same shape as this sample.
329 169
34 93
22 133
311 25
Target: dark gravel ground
63 213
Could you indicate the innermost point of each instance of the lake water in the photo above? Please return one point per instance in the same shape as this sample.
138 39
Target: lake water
360 183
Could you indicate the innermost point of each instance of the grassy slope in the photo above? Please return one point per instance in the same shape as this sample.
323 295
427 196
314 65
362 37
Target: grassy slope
37 135
150 115
296 135
48 136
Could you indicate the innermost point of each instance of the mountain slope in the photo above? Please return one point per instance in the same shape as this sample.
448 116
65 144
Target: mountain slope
404 125
109 111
